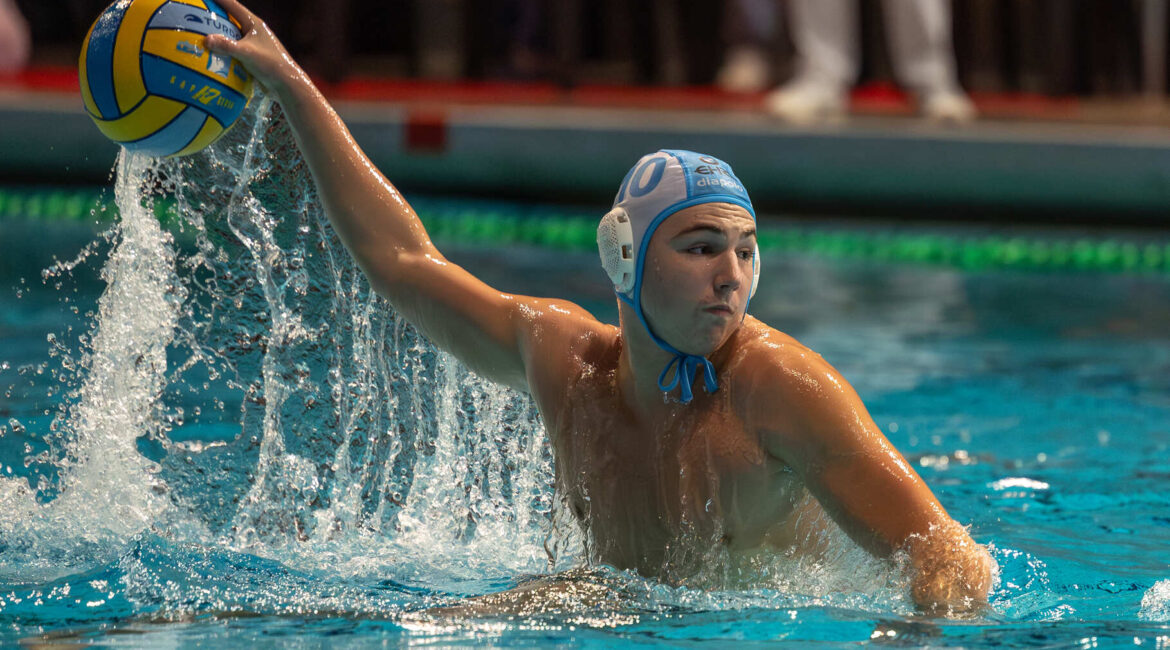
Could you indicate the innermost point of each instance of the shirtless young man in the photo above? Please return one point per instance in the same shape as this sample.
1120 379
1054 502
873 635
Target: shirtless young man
649 465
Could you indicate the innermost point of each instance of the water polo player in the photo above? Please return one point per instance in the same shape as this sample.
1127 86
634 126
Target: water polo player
690 426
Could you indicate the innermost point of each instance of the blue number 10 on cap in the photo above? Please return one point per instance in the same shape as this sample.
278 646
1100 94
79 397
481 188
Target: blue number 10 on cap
149 82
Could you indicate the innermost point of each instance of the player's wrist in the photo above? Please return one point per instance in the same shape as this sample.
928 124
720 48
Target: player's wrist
291 86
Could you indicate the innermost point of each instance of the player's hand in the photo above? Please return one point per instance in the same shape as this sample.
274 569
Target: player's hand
259 50
954 582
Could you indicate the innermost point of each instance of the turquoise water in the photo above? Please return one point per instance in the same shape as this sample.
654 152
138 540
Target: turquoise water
212 433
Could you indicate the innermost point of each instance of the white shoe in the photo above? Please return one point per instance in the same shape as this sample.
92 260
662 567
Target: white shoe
804 103
745 70
948 107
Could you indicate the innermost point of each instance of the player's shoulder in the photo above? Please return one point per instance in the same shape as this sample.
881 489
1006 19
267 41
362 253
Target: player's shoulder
771 366
560 328
771 354
565 345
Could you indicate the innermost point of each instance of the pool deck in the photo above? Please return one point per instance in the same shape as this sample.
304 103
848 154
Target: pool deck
1054 159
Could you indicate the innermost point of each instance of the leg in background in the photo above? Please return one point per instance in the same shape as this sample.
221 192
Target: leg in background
825 33
923 55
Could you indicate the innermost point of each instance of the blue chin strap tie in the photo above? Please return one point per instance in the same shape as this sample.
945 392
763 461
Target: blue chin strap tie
684 365
659 185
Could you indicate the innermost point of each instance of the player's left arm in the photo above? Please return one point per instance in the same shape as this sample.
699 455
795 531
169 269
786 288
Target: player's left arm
819 426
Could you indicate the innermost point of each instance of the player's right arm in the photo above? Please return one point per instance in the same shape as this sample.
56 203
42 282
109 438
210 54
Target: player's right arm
810 417
494 333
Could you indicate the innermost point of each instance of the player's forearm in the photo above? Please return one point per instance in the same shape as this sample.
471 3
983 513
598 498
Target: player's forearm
374 221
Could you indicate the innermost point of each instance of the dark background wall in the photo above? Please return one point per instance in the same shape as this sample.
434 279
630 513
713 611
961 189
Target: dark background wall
1056 47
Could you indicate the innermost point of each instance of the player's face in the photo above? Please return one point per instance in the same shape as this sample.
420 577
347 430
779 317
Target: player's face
698 276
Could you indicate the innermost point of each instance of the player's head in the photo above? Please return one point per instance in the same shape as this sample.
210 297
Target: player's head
706 194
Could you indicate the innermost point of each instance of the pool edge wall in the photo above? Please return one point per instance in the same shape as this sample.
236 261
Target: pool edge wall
580 154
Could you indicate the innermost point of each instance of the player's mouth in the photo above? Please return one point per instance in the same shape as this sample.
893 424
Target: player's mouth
719 309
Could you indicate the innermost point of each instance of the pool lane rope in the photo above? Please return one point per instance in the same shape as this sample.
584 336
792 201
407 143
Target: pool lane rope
465 221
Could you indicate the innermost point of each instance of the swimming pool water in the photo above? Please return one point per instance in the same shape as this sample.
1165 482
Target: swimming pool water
236 444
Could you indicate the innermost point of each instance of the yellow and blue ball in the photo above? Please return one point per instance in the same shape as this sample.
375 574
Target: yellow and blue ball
149 82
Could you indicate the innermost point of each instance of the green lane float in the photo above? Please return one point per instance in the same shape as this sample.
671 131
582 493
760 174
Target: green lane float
496 223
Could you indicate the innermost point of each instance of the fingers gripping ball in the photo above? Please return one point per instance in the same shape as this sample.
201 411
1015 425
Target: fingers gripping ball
149 82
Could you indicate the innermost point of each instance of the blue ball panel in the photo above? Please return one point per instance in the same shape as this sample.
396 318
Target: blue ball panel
173 137
158 72
176 15
99 67
214 6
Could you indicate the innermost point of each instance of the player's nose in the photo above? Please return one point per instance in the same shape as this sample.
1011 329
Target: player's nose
728 274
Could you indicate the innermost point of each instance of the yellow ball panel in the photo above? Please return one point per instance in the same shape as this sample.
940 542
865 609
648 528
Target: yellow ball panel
152 115
188 50
247 86
128 85
184 48
209 133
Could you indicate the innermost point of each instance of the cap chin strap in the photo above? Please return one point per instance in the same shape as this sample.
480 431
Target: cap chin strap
685 365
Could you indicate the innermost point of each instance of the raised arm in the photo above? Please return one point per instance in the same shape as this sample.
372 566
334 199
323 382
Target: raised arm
820 427
483 327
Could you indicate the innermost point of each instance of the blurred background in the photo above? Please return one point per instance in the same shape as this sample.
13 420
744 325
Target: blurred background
1083 48
1045 108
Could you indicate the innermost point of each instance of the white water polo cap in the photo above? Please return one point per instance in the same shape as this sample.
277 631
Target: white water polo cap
659 185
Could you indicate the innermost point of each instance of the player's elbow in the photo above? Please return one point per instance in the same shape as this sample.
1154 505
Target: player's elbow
402 276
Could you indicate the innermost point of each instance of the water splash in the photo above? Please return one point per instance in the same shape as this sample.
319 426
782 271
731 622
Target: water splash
243 388
1156 603
107 491
365 449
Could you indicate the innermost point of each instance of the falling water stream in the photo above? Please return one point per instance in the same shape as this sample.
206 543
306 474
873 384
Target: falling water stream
243 390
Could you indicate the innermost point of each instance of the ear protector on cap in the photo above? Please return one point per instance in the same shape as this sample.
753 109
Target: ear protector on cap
615 243
755 270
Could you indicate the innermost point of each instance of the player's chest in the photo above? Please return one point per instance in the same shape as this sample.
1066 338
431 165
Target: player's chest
701 455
